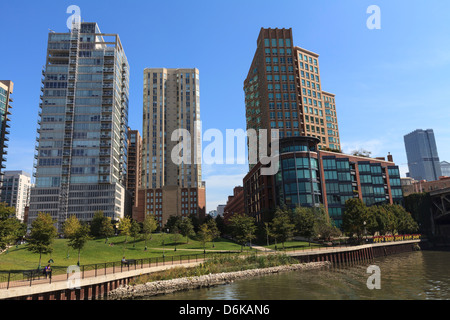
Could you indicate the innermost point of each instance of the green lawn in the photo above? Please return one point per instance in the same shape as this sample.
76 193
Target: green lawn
96 251
294 245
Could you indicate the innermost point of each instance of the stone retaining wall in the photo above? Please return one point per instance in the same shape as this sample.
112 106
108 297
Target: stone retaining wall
169 286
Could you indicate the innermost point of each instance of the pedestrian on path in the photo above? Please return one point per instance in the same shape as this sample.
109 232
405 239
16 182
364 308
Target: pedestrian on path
48 271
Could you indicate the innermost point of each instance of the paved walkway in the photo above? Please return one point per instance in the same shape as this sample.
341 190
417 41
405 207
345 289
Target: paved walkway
88 277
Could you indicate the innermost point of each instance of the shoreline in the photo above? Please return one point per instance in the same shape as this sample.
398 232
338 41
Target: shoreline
188 283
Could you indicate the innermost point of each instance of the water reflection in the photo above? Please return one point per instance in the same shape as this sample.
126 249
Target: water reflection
409 276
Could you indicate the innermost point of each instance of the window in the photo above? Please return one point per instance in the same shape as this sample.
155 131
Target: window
329 163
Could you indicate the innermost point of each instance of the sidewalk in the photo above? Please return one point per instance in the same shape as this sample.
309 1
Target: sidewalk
90 277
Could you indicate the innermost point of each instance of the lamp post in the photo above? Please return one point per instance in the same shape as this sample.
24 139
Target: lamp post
164 244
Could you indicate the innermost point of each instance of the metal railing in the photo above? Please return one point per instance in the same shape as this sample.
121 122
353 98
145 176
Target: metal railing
20 278
345 243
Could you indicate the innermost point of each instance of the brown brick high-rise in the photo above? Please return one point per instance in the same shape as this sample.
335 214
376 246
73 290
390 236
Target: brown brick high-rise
283 91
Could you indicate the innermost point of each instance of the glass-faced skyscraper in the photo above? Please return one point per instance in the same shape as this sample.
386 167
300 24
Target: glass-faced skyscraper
80 165
422 155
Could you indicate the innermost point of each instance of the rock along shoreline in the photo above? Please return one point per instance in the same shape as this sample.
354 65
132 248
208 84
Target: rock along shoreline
169 286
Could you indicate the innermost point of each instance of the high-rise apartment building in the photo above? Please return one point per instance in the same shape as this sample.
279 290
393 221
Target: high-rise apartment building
283 91
171 102
6 89
422 155
16 191
81 159
134 156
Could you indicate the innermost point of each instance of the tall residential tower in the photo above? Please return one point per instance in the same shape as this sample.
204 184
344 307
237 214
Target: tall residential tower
81 147
283 91
6 89
171 102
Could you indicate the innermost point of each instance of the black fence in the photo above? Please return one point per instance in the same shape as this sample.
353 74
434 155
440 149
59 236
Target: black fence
18 278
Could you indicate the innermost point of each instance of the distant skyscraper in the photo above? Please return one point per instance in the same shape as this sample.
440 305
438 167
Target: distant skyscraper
6 89
422 155
171 102
445 168
220 209
82 135
16 191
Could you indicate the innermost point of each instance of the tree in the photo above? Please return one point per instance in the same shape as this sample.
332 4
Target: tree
42 234
106 228
215 233
195 222
405 222
11 229
172 221
282 228
135 229
354 218
391 219
6 212
304 221
220 224
175 235
186 228
70 227
204 235
125 229
361 153
377 220
419 204
242 228
79 239
267 231
96 223
148 227
324 227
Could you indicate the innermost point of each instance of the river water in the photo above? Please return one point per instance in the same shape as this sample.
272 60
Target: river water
419 275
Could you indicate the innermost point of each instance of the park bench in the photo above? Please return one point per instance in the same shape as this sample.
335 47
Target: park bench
129 262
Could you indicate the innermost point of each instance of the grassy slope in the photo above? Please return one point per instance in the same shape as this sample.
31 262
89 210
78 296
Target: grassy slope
96 251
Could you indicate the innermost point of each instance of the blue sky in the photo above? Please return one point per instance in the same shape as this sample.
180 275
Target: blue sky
388 82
